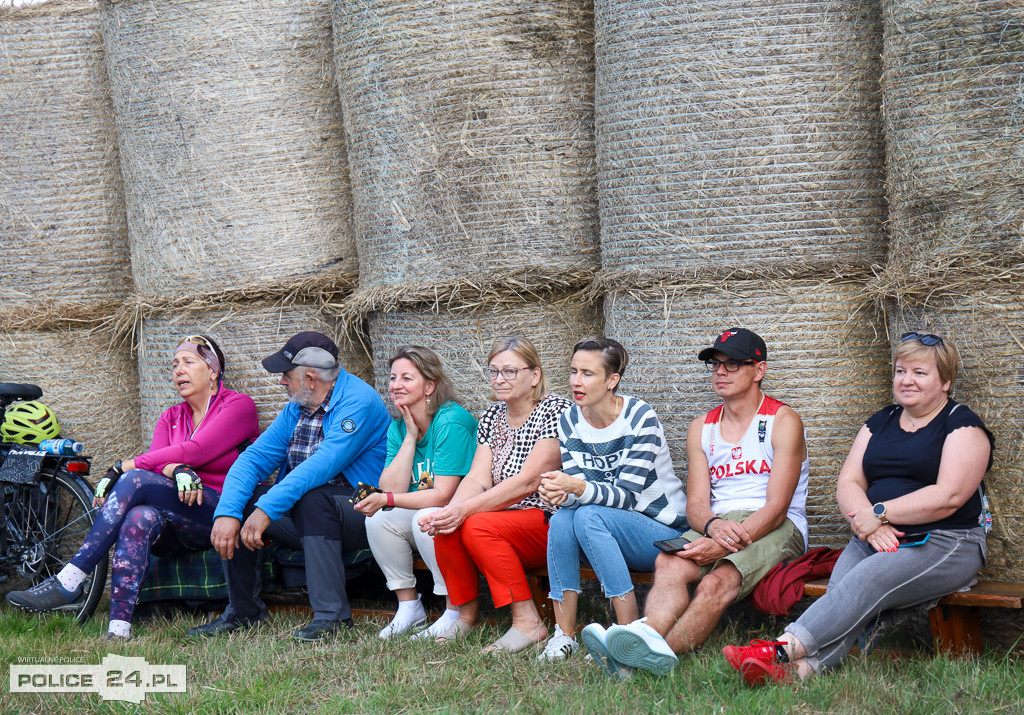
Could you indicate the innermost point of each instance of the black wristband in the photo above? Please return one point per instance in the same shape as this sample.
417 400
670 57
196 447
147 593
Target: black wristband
117 468
714 518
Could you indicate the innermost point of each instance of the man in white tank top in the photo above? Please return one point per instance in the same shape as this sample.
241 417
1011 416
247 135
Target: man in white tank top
745 498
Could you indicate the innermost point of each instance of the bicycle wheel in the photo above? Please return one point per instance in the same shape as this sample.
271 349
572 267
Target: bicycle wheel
44 526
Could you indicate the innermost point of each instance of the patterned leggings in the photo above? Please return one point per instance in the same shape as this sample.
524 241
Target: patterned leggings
143 516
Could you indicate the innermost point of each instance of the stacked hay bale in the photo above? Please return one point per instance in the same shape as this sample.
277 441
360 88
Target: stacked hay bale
740 183
63 238
750 136
470 138
231 143
239 206
955 143
246 333
826 359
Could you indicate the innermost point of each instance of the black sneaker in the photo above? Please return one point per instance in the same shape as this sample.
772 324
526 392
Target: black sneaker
220 627
321 628
46 596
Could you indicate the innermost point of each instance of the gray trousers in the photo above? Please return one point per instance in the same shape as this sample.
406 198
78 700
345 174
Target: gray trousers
325 526
866 583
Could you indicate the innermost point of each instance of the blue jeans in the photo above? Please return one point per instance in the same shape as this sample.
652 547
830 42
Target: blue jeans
614 541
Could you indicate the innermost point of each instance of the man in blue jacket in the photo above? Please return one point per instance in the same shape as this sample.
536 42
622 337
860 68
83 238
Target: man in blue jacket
330 436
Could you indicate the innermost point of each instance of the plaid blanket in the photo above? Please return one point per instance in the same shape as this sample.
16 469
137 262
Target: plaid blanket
199 576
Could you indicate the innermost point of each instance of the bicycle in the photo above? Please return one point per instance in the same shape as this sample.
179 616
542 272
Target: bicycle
45 513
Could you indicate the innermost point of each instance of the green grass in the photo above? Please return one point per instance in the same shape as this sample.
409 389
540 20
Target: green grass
265 671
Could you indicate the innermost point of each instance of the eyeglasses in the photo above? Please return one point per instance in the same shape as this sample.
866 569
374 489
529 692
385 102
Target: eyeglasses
509 373
730 365
928 339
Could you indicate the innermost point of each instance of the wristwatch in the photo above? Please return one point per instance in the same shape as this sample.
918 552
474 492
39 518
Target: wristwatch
879 511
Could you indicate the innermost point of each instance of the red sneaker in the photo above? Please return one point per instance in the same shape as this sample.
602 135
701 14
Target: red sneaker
757 672
760 650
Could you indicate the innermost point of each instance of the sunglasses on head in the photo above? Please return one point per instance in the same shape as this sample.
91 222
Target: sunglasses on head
928 339
197 340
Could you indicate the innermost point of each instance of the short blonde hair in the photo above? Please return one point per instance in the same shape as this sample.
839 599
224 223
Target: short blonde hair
944 352
525 350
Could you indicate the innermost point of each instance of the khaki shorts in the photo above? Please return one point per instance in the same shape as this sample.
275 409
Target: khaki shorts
754 561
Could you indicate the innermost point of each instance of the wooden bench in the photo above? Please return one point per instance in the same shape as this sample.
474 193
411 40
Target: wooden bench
956 621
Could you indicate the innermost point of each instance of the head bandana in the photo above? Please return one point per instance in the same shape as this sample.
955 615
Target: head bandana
210 359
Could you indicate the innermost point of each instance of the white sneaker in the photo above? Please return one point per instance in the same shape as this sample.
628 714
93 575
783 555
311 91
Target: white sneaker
559 646
406 618
439 626
640 646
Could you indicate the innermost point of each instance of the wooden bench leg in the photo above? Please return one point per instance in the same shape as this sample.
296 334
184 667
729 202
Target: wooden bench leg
956 630
539 588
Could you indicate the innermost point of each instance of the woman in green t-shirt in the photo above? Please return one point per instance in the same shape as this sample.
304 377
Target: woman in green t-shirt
430 449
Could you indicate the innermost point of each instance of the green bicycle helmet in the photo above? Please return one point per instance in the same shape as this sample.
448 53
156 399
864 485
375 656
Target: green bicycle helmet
29 423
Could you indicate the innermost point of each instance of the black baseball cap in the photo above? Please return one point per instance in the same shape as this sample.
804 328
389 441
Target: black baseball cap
309 349
738 343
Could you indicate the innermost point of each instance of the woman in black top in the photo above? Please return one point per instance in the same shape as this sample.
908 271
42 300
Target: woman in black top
913 475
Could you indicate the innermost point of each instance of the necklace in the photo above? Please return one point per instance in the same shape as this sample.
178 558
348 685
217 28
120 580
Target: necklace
920 421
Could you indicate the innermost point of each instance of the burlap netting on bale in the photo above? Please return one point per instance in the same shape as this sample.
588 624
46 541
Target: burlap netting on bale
470 136
91 387
232 147
63 236
246 334
464 338
826 359
954 126
987 327
737 133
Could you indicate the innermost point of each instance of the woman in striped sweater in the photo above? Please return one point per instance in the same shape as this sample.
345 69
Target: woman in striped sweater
617 491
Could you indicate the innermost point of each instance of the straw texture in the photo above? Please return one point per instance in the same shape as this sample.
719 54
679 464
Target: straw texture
92 388
987 327
954 124
738 133
63 232
825 360
231 138
246 334
464 338
470 136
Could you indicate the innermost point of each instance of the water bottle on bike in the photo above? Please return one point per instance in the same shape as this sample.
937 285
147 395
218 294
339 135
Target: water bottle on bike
65 447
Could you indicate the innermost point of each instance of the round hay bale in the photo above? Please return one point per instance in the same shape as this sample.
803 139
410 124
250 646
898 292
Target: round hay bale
464 338
246 333
954 127
987 327
470 133
63 231
232 147
826 360
738 133
92 387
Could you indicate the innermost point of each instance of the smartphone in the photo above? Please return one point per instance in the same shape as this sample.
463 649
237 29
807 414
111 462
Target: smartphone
914 539
670 546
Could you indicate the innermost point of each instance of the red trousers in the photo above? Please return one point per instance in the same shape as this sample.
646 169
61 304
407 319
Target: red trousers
502 544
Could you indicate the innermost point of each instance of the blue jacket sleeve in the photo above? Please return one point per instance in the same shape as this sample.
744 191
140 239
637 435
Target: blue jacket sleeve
257 463
350 427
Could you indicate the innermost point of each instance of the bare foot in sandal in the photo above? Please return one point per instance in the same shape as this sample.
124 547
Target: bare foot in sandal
457 630
515 641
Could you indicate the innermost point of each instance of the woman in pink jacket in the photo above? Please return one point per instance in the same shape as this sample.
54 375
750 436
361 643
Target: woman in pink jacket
160 502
